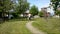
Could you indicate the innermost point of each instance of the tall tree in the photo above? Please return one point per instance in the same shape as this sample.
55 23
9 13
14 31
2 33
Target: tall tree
5 6
55 4
34 10
1 8
23 6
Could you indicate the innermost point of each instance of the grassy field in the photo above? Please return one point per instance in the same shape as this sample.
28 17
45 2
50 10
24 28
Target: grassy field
51 26
14 27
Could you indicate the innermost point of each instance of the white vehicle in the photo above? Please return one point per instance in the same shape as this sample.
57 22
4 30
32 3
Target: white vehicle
10 16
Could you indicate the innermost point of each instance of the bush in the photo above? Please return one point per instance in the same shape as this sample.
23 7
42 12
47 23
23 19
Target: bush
41 14
58 12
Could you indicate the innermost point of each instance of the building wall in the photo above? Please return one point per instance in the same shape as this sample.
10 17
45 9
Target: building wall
45 11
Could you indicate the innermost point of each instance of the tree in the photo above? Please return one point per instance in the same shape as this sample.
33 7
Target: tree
8 5
1 8
5 6
34 10
23 6
55 4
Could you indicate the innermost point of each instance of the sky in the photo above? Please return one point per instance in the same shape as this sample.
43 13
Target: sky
40 4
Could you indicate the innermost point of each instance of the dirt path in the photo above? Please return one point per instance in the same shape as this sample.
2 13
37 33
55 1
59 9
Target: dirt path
33 29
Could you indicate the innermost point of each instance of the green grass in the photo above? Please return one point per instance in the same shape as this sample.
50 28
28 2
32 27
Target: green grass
51 26
14 27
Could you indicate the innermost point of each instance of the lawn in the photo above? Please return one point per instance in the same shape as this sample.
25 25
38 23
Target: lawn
51 26
14 27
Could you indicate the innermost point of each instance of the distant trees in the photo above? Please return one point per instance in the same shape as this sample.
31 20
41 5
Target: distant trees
34 10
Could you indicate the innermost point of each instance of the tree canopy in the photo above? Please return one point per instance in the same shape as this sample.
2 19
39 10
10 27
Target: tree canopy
55 4
34 10
5 6
23 6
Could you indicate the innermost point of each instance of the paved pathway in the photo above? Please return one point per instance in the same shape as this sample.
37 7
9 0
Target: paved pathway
33 29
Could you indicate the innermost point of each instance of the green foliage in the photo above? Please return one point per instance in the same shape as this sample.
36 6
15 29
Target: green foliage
5 6
1 5
41 14
58 12
55 4
34 10
23 6
15 15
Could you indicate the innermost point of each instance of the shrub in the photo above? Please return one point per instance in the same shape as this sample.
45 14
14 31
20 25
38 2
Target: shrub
41 14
